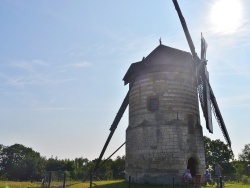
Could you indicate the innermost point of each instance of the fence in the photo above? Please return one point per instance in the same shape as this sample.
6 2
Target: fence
179 182
54 179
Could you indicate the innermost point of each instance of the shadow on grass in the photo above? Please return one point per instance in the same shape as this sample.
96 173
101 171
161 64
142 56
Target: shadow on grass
113 184
124 184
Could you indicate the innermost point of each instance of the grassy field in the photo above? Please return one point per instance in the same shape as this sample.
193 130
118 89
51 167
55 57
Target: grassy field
104 184
122 184
13 184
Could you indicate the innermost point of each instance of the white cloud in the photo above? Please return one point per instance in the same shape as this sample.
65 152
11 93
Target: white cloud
74 66
38 72
82 64
25 80
29 65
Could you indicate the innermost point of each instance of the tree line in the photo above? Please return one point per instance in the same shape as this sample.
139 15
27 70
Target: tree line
20 163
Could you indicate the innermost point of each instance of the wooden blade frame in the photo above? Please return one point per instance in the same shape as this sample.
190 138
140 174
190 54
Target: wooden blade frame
203 83
218 117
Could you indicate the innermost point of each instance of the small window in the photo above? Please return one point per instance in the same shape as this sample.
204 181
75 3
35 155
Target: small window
153 104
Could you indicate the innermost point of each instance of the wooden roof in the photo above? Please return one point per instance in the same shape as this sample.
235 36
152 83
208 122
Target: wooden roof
162 58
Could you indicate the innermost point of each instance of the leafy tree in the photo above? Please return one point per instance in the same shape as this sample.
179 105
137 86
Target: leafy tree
54 164
217 151
1 160
111 169
80 168
245 154
21 163
68 165
240 167
244 160
118 167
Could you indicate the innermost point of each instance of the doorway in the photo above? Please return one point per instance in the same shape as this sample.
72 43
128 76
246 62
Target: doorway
192 165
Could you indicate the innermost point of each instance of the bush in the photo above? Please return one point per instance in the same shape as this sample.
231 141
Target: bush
245 179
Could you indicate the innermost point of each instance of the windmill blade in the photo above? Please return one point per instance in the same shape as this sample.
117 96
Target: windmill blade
185 28
209 100
200 71
218 116
206 92
206 95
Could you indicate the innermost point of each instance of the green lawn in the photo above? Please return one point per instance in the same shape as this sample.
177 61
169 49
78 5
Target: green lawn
122 184
13 184
104 184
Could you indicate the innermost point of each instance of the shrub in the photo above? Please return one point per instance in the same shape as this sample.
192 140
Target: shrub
245 179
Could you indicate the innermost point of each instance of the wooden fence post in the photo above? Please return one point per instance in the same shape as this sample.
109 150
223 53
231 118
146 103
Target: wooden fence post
64 179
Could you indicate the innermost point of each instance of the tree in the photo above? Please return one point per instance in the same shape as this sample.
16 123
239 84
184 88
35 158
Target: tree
21 163
80 168
217 151
240 167
118 167
244 160
245 154
68 165
54 164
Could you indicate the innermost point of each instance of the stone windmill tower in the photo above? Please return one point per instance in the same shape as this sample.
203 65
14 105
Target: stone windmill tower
164 136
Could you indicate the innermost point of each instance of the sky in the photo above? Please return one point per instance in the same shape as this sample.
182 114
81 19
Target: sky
62 64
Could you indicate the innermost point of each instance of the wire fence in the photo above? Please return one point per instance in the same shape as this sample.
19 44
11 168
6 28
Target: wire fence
59 179
62 179
180 182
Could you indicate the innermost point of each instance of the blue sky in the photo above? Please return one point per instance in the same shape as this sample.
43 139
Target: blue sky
62 64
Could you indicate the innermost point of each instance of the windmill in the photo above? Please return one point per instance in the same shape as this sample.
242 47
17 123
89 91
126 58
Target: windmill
164 136
206 95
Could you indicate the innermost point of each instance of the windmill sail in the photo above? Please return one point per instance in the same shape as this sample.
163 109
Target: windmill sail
203 86
218 117
206 95
203 47
209 109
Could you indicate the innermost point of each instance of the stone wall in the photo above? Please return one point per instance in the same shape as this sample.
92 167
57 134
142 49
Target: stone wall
160 142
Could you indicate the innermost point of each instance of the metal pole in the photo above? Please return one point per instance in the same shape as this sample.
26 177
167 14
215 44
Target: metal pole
173 182
64 179
90 179
129 181
220 182
49 179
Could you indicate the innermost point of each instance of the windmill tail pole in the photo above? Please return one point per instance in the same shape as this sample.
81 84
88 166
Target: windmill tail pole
104 161
111 155
114 126
185 28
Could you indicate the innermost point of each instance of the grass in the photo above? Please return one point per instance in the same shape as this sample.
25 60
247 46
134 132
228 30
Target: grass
13 184
105 184
113 184
123 184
